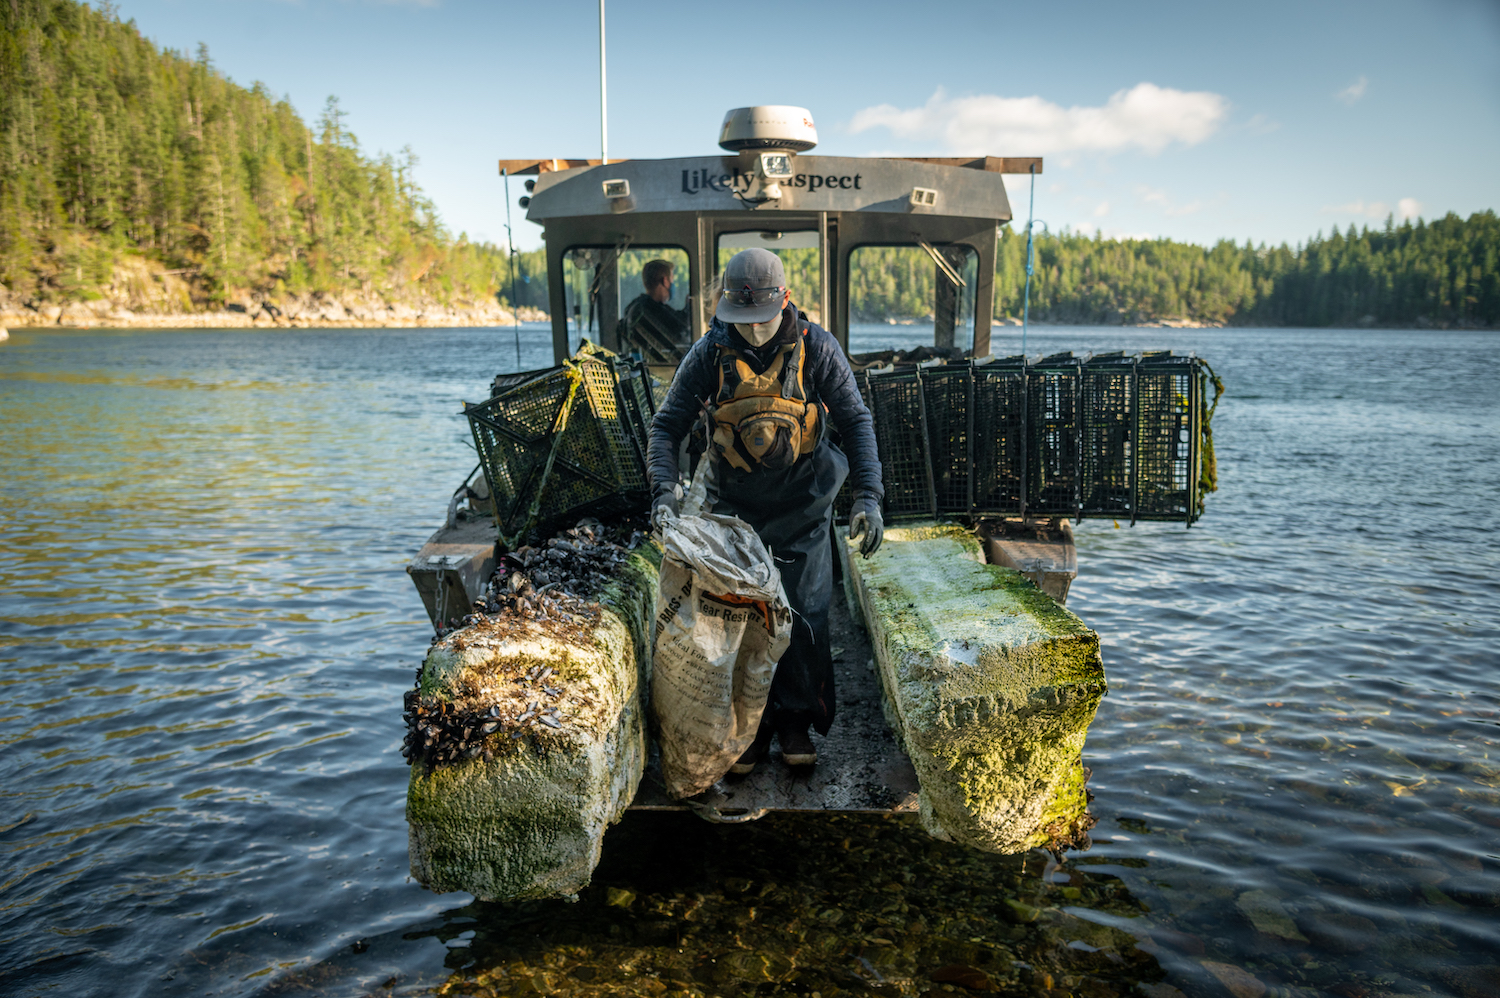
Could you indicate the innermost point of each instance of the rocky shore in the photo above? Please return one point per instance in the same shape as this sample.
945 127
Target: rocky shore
1138 322
293 311
136 295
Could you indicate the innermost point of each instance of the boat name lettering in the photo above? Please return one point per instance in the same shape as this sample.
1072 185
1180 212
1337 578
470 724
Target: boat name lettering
694 181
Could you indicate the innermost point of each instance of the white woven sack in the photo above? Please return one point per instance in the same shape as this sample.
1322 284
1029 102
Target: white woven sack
722 623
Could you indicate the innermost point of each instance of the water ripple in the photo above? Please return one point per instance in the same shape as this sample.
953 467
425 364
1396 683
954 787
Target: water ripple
205 634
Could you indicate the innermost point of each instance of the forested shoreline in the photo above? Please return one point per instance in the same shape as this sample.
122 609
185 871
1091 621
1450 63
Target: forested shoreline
143 181
1444 273
139 186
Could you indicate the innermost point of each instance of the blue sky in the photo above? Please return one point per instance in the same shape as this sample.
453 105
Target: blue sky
1268 121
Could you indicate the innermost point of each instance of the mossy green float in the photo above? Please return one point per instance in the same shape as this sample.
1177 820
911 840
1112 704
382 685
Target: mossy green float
529 821
988 681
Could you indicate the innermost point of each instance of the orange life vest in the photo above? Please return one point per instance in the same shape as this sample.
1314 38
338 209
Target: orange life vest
764 419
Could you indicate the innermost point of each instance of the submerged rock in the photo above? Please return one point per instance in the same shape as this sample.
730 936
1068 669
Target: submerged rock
528 739
1265 912
1239 982
990 684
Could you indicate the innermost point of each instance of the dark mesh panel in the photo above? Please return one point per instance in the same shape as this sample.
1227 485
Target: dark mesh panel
895 399
948 392
999 439
1107 386
633 389
1166 421
1052 440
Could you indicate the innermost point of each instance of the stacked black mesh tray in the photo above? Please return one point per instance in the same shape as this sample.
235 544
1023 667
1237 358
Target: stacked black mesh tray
564 443
1000 437
1168 406
1112 435
1108 389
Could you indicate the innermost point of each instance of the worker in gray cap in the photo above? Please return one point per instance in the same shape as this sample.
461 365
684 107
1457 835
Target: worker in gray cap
770 381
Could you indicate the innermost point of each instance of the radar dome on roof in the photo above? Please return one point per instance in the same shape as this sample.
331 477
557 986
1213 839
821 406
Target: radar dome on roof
769 126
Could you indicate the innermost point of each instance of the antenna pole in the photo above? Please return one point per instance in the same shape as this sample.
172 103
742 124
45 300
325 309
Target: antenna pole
515 307
603 94
1030 260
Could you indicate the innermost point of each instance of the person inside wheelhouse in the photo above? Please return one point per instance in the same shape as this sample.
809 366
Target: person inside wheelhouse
650 324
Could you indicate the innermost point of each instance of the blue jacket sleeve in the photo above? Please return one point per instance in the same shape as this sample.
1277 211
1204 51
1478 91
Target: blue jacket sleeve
833 380
695 382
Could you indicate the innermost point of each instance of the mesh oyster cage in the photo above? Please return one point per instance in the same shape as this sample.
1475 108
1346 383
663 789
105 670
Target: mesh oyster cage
1168 432
1106 475
948 398
559 444
1052 413
1113 435
897 400
999 442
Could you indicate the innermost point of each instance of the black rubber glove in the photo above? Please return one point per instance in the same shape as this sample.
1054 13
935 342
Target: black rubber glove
666 505
865 519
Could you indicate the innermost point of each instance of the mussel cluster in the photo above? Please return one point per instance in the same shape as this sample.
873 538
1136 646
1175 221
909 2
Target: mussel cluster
439 732
554 583
577 561
556 578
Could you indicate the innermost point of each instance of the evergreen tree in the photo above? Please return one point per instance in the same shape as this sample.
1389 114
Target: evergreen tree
111 148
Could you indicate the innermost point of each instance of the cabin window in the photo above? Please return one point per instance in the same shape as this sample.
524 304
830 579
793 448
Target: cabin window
801 257
900 298
608 303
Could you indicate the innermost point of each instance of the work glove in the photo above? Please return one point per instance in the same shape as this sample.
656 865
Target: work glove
666 505
865 519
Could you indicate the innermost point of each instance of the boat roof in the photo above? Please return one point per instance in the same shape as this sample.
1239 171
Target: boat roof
967 187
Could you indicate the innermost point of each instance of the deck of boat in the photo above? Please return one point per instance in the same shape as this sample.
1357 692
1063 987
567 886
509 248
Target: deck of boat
860 766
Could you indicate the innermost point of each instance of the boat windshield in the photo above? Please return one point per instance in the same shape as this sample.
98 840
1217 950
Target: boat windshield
608 302
901 298
800 255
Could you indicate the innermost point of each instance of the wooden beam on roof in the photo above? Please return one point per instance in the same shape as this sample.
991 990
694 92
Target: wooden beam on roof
989 164
533 167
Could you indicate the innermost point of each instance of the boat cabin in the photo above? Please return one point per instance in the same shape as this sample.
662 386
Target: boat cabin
828 217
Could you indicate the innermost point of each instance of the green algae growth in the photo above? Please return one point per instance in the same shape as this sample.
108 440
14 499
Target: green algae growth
990 684
527 819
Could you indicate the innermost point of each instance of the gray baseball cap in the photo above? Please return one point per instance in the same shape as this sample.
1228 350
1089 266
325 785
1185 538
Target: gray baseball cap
754 287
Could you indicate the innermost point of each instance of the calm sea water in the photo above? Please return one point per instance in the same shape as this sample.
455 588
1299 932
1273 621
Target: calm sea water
205 632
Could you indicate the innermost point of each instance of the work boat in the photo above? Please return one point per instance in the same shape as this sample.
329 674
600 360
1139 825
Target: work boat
965 686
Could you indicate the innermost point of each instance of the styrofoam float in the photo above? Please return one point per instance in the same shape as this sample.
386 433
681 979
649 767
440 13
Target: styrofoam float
988 681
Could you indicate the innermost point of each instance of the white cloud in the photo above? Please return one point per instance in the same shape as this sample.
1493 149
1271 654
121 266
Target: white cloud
1144 117
1354 91
1102 209
1408 208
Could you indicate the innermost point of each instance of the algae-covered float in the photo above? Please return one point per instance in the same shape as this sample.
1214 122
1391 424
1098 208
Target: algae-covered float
966 686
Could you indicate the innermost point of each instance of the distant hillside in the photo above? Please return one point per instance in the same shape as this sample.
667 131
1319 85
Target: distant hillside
136 178
1443 273
138 183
